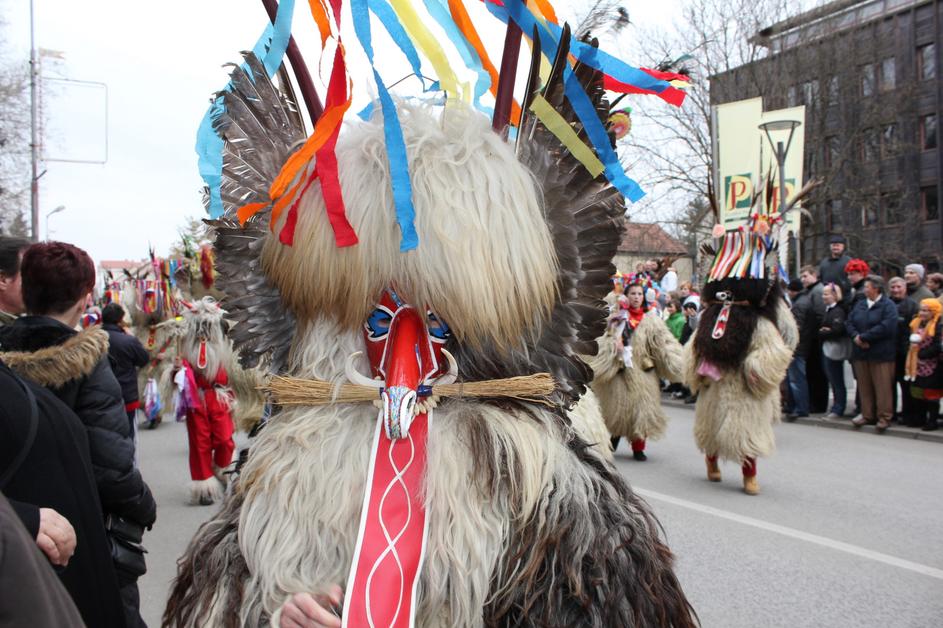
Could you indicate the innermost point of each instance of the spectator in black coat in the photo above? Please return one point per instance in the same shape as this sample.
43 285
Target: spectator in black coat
56 475
11 298
906 310
815 374
44 347
807 322
836 348
872 325
832 268
127 355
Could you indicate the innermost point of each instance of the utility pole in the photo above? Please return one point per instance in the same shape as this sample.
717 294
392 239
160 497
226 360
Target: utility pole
34 124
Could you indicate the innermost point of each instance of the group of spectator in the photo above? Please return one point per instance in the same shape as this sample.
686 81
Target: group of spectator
66 449
889 331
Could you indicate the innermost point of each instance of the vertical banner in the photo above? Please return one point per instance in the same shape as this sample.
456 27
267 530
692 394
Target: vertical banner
794 159
737 158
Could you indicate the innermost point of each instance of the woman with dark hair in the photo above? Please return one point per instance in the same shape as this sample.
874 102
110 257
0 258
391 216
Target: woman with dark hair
127 355
44 347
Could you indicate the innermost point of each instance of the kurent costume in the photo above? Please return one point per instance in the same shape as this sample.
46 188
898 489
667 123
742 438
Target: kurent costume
636 352
458 305
740 352
207 399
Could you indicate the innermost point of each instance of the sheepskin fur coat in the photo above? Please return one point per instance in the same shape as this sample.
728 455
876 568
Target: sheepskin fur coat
735 415
630 398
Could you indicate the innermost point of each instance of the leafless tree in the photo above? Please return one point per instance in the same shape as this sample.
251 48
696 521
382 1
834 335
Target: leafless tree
14 141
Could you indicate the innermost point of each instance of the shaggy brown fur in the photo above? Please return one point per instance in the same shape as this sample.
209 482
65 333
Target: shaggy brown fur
727 352
55 366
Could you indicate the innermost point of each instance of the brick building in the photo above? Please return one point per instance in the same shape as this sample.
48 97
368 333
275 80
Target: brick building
868 72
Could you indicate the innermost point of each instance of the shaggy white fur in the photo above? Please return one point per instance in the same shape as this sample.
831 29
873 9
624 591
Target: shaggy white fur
460 219
211 487
734 416
586 418
630 399
205 321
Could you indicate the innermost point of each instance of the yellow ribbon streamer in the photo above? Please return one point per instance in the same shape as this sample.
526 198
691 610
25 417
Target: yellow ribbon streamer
555 123
428 45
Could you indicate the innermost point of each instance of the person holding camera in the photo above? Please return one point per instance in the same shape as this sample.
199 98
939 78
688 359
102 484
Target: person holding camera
57 279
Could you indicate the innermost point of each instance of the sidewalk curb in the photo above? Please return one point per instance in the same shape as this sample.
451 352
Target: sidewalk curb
819 420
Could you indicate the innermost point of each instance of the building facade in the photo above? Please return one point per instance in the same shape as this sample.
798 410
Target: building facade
868 72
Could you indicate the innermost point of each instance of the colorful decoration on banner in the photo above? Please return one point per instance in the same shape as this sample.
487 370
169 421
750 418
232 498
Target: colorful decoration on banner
620 122
315 159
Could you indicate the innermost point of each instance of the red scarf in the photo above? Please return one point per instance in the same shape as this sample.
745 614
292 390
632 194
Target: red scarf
635 316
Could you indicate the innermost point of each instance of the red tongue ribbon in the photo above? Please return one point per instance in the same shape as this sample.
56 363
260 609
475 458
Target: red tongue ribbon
381 589
201 359
384 575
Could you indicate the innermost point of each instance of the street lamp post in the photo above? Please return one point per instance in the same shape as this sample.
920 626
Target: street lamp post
61 208
780 151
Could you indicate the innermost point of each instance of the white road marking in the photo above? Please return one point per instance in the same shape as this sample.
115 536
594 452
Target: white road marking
848 548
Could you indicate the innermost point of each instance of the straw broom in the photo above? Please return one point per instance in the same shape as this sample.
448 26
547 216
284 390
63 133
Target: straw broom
290 391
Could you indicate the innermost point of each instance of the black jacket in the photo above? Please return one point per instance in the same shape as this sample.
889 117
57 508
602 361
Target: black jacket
127 355
74 366
833 271
57 474
906 310
877 326
833 325
808 323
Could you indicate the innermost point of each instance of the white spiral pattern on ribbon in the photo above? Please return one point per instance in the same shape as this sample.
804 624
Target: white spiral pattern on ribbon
391 541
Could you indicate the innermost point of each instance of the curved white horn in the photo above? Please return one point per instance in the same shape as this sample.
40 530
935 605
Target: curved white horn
452 375
356 377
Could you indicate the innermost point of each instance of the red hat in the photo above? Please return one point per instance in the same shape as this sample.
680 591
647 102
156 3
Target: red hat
858 266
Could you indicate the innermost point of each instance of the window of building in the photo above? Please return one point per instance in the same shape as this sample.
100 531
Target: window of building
831 90
928 131
832 152
893 211
810 93
870 145
869 214
888 74
929 205
926 62
833 214
867 79
889 140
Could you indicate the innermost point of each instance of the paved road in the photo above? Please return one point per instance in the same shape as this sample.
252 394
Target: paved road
846 532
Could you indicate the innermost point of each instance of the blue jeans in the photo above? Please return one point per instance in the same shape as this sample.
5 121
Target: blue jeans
798 387
835 372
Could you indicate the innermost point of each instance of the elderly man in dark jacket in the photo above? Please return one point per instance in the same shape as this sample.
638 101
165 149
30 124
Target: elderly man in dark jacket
832 268
906 310
872 325
127 355
45 348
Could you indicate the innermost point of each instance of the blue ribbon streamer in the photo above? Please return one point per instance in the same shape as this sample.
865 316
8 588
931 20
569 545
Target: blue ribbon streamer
393 134
582 106
440 12
270 49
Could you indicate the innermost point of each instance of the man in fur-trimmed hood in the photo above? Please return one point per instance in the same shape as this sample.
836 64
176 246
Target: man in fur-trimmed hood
45 348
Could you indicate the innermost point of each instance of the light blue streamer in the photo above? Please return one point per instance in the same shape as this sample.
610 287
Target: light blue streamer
440 12
270 49
582 106
393 134
387 17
